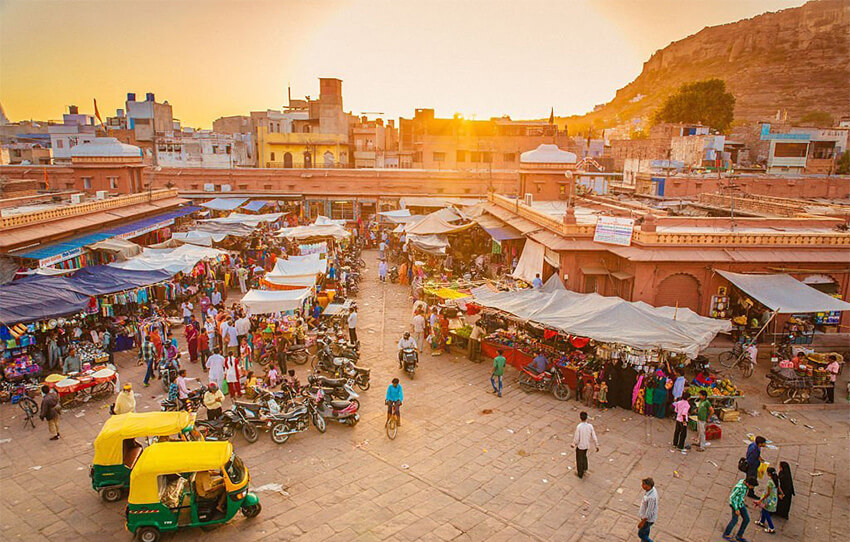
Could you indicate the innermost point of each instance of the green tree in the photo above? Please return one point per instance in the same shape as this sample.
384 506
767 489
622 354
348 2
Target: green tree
706 102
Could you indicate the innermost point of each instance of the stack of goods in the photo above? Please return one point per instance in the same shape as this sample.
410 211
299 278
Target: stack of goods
20 366
91 353
17 361
720 388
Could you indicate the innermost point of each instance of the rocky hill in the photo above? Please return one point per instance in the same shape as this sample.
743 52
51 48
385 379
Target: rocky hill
796 60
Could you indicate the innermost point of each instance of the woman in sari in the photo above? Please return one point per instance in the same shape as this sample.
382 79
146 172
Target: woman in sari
192 342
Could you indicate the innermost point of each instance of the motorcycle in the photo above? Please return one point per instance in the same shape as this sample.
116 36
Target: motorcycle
360 375
338 388
550 380
409 361
296 420
191 404
222 428
340 411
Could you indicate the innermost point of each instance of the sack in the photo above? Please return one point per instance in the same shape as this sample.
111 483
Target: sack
742 464
225 389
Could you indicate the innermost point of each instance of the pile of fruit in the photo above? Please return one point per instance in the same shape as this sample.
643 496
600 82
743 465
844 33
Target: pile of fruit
723 387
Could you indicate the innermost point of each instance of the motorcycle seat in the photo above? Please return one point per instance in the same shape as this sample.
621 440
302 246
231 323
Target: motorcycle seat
362 370
296 348
246 404
333 382
339 405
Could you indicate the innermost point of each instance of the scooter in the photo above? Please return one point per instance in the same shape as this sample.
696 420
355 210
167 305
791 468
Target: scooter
338 388
409 361
340 411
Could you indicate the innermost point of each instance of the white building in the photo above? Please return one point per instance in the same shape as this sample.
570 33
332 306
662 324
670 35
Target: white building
76 129
205 149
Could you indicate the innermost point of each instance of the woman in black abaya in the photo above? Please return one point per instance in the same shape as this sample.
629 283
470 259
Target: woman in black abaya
786 484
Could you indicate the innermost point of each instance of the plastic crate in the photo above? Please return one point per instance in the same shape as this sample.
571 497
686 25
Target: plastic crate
713 432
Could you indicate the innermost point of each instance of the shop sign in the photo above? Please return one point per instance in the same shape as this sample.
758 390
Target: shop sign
614 230
61 257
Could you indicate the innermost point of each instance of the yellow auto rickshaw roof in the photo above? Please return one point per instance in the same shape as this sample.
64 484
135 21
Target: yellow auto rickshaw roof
108 446
173 458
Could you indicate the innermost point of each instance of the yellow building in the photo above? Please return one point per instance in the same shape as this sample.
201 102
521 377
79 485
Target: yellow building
302 150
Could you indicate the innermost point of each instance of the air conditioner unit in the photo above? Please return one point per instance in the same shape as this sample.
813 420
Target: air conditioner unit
226 188
101 194
529 199
209 187
76 198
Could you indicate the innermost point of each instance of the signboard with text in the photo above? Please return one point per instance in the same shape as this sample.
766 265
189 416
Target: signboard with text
614 230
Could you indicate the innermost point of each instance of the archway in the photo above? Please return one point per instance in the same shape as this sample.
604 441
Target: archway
679 289
287 160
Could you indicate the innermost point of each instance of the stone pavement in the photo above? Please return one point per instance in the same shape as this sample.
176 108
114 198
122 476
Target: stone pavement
465 466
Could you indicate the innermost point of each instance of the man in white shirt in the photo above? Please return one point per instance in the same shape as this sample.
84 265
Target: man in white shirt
216 298
537 283
418 325
232 339
648 513
352 324
404 343
187 311
243 327
581 442
242 273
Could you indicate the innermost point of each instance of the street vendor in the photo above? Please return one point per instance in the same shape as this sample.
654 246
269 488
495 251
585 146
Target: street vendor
539 364
72 361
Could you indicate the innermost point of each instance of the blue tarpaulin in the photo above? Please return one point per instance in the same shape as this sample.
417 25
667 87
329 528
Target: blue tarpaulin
46 296
255 205
224 204
74 243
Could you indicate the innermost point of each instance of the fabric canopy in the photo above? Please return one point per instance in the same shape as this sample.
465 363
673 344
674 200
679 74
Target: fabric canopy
325 221
434 224
609 319
530 262
200 238
553 284
255 205
498 230
784 294
122 248
269 301
173 260
314 230
396 213
224 204
42 296
432 244
310 264
251 221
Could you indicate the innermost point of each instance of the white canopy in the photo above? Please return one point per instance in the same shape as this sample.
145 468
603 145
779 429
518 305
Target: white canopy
530 261
224 204
306 232
396 213
239 218
609 319
435 224
432 244
270 301
325 221
122 248
310 264
174 260
196 237
303 281
784 294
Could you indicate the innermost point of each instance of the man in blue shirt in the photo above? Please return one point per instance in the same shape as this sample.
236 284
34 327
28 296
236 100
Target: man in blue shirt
395 397
538 364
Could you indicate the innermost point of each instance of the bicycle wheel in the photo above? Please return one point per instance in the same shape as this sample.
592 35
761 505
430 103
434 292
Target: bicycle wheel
29 406
392 427
746 367
727 359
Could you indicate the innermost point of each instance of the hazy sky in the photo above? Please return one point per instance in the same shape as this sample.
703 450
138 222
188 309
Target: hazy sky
212 58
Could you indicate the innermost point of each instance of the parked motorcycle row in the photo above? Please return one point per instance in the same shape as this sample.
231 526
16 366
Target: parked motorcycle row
350 264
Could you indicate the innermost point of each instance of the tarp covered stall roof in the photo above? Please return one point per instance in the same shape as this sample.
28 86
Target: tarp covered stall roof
247 220
498 230
448 214
314 231
173 260
784 294
395 213
432 244
270 301
255 205
523 225
553 284
122 248
310 264
325 221
224 204
39 296
608 319
433 224
292 281
426 201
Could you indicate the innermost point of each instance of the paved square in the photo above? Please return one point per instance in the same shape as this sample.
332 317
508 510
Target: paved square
465 466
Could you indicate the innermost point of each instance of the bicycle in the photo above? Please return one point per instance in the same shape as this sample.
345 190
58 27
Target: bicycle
26 403
737 357
392 423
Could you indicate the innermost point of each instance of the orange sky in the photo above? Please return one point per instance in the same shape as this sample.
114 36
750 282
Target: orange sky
213 58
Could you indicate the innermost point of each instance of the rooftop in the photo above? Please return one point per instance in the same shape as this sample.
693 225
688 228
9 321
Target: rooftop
548 154
105 147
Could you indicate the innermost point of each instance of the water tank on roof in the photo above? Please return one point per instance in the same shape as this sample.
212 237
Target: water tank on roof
149 97
131 96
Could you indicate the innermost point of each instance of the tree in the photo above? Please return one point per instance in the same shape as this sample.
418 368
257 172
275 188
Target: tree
706 102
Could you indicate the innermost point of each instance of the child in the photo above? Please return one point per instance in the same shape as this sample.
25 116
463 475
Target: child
595 398
768 501
231 374
603 396
273 376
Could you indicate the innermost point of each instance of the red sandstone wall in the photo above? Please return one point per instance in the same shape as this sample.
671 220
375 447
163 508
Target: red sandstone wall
780 187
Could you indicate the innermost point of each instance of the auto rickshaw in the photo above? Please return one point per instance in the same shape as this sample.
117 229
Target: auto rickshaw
116 449
187 484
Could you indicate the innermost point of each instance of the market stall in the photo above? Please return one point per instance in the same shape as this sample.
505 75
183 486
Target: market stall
268 302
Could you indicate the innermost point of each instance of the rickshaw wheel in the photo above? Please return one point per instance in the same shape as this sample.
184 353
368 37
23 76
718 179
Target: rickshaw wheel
147 534
252 511
111 494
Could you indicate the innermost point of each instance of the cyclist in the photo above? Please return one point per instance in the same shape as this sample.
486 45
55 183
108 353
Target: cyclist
395 398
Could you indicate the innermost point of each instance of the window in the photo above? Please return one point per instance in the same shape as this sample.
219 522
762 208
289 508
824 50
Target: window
272 157
113 183
215 149
475 156
86 183
461 156
306 129
510 157
60 143
439 157
287 159
342 210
